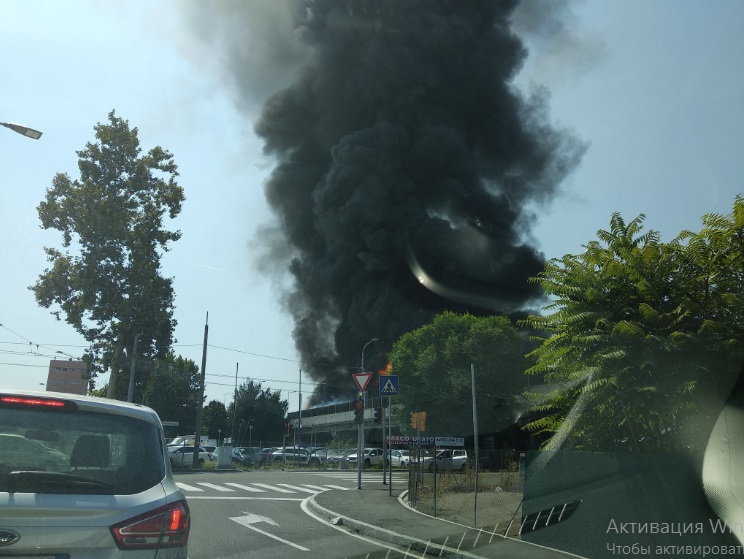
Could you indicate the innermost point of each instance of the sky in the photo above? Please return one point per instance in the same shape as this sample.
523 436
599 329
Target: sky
652 86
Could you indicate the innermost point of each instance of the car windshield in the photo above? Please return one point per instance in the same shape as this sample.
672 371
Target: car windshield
84 452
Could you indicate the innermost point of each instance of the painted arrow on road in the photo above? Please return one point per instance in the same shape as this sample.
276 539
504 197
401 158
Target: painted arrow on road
250 519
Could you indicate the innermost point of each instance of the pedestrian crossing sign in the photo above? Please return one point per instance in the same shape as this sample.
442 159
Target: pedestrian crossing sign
388 385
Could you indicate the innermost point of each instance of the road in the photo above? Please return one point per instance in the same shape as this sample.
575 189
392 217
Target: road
259 514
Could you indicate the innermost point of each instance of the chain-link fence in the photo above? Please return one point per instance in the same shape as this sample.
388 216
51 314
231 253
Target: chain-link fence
484 494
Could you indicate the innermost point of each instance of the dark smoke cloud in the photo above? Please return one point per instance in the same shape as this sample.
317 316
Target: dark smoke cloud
406 160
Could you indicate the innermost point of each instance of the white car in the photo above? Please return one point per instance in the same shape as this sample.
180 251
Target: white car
399 458
448 459
108 493
183 456
371 457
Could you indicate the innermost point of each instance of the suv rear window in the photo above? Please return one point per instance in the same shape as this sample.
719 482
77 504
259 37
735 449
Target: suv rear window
71 451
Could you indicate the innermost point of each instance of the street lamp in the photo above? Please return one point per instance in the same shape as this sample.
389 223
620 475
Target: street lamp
23 130
365 347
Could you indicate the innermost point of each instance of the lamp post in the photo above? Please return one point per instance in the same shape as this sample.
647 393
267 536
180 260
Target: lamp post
360 435
23 130
294 431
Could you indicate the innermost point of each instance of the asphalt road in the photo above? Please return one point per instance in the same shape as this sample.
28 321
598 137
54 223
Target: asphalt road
260 514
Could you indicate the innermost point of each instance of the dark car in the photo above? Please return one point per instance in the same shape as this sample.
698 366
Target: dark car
245 456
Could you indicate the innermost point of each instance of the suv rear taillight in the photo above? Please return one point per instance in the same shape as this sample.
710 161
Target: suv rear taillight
166 526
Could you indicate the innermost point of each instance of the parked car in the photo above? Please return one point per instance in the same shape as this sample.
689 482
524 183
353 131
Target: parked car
448 459
264 457
294 456
318 456
28 454
183 456
339 458
245 456
370 457
399 458
212 451
115 495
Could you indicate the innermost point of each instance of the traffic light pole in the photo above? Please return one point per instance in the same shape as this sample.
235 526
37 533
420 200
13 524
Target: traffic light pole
390 427
360 456
385 460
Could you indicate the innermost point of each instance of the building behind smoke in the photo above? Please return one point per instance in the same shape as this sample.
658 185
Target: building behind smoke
320 425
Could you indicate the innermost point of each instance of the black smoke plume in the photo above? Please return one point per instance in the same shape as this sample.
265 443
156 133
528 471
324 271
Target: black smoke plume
406 165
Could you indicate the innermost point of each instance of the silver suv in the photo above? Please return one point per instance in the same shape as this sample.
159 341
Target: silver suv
295 456
82 476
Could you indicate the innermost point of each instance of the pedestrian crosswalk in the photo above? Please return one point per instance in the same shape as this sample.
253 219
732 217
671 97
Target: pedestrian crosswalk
352 475
289 488
229 487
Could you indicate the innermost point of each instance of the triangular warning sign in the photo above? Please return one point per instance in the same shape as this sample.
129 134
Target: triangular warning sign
389 388
362 380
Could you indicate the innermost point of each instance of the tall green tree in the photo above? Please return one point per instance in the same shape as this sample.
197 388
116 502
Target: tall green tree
215 420
260 407
106 280
173 391
644 338
434 361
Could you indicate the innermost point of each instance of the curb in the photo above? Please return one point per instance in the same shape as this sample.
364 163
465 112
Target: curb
408 543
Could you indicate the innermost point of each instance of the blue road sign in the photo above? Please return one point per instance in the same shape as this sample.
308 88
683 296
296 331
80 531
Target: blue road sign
388 385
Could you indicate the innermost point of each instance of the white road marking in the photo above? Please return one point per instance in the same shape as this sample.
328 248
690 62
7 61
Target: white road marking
251 519
246 487
221 498
215 486
186 487
298 488
317 488
273 488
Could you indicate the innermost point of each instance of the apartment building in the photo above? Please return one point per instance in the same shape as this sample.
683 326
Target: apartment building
67 376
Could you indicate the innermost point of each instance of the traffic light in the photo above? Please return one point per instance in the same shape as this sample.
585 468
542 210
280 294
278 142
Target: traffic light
418 420
379 415
287 427
358 411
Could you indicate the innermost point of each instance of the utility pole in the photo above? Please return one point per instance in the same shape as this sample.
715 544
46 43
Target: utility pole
235 405
130 392
475 440
197 433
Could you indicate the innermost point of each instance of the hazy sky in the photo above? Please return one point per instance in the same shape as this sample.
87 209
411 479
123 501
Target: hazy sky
654 87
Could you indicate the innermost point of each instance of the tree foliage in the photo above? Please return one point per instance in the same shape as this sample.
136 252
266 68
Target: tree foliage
644 338
106 280
260 407
434 361
173 391
215 420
